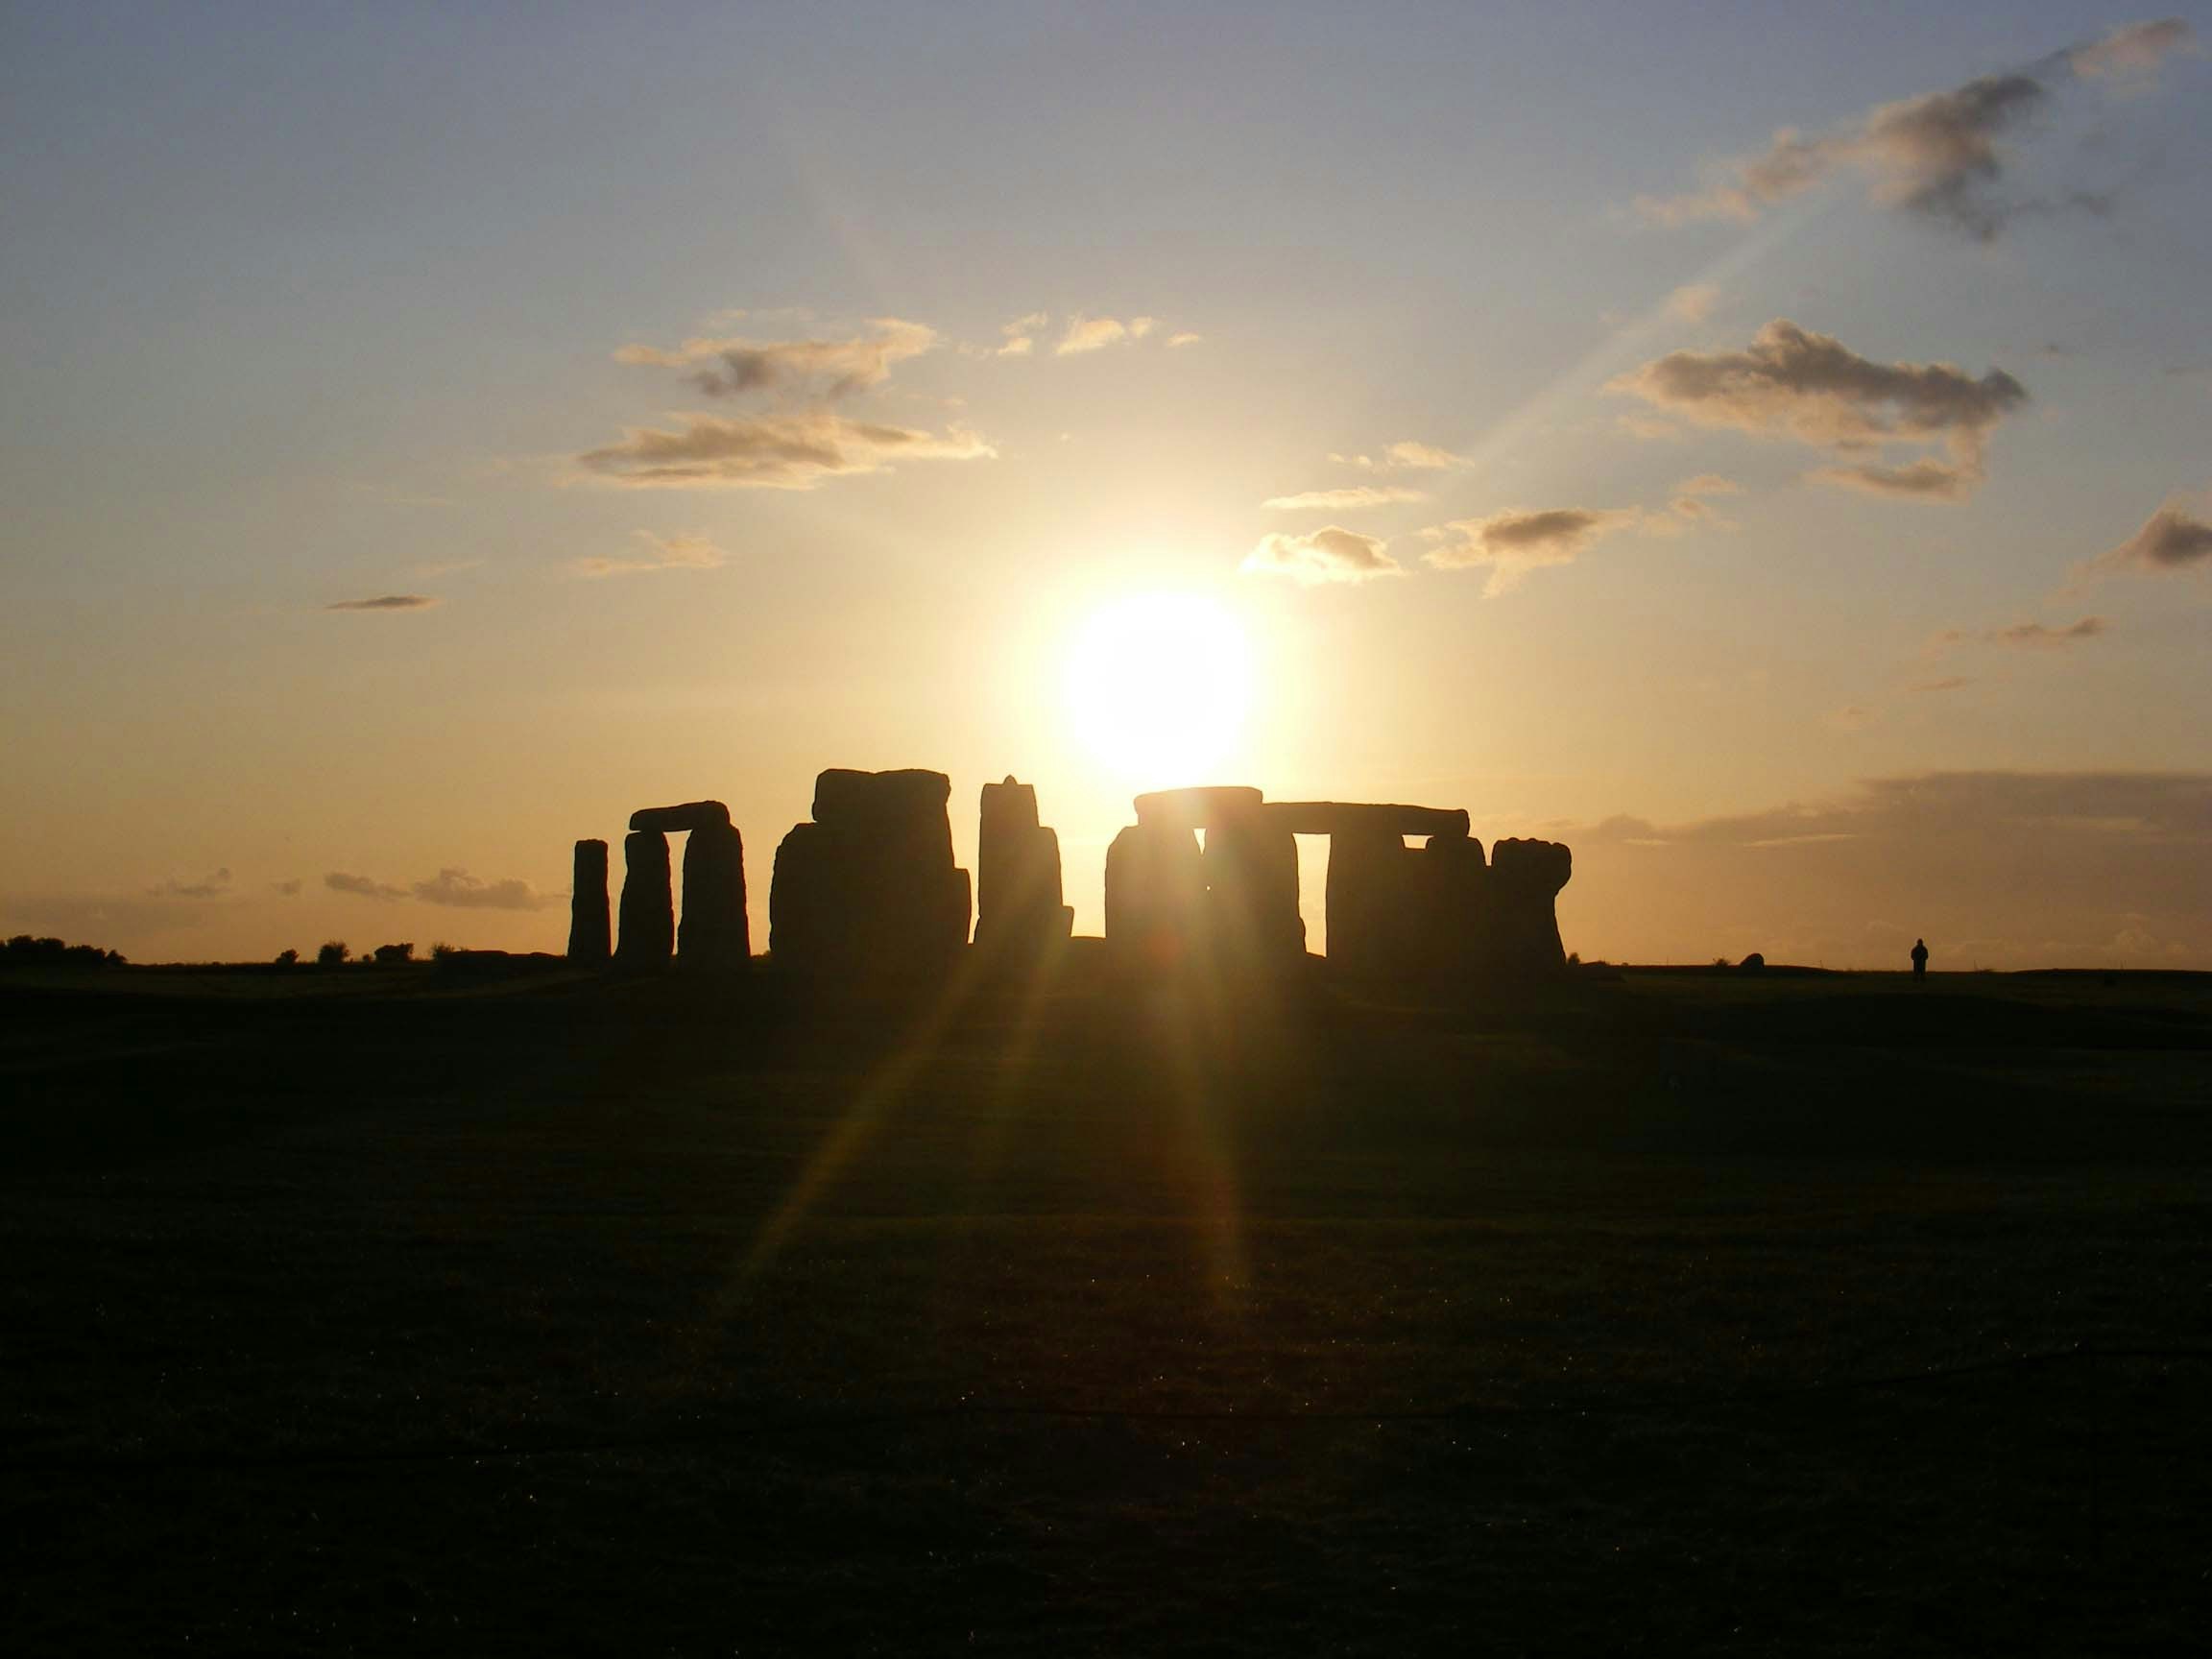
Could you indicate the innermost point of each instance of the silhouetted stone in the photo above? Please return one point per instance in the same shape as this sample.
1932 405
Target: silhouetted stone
869 889
588 940
1754 963
676 819
1018 914
1525 878
1452 936
1251 870
648 911
1198 808
1155 898
1375 902
715 933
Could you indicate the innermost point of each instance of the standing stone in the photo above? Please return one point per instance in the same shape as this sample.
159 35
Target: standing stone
1018 914
1524 879
1251 870
1155 898
869 889
1452 936
649 909
715 932
1374 902
587 932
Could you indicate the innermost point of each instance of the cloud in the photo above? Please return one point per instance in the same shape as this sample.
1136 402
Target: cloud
690 550
1336 500
1186 338
1331 555
2036 634
361 886
2170 540
1140 327
2130 50
1793 383
1938 155
455 888
1693 303
1020 334
1514 542
727 368
1924 480
790 451
1687 507
1407 452
463 891
215 886
287 889
386 602
1948 683
1089 334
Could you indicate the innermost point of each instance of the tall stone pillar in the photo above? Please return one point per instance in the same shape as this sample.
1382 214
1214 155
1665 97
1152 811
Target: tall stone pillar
716 932
648 907
587 934
1155 898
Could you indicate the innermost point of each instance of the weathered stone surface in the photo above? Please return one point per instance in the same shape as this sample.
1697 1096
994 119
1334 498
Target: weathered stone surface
589 942
648 910
716 932
1525 878
1334 818
676 819
1018 914
1198 808
869 890
1155 898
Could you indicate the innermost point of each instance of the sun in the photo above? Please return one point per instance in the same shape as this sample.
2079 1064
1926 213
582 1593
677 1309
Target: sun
1156 687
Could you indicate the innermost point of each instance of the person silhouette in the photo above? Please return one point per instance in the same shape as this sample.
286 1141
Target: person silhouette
1919 958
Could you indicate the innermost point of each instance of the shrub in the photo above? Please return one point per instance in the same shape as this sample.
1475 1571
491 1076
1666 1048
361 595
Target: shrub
332 954
444 952
287 958
390 956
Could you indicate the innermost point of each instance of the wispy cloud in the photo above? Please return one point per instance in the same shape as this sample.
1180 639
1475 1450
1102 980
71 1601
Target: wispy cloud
454 888
1020 334
1514 542
463 891
1186 338
2037 637
1340 500
286 889
1939 155
1097 333
1406 453
2171 539
1793 383
690 550
1693 303
362 886
1330 555
794 451
386 602
830 367
1947 683
215 886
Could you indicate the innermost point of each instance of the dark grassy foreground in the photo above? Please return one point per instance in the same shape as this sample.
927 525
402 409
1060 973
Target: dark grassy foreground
375 1313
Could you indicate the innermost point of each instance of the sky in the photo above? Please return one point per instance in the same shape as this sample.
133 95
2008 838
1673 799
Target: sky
1765 450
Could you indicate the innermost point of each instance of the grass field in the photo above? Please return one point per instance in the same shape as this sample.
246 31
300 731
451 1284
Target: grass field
378 1312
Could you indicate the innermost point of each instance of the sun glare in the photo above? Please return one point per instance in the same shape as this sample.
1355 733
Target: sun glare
1156 687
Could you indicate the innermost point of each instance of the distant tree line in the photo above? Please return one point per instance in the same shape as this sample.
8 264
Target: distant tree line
23 951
